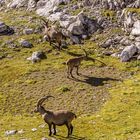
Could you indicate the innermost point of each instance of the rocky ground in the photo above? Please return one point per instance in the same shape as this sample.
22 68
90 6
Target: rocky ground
104 97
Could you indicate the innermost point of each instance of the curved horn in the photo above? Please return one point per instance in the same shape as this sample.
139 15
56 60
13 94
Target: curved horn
45 22
40 101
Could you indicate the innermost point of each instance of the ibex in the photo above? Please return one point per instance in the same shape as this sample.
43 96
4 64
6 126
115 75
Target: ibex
61 117
53 34
76 62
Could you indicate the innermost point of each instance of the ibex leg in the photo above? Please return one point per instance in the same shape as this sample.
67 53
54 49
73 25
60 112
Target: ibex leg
69 129
50 126
54 128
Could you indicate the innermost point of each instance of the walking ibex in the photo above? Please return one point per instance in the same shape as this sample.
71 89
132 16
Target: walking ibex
53 34
76 62
61 117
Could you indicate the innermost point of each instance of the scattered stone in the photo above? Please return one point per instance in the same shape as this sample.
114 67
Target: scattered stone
34 129
10 132
37 56
28 31
25 43
117 55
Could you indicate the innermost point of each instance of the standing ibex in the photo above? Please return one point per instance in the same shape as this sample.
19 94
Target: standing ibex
61 117
53 34
76 62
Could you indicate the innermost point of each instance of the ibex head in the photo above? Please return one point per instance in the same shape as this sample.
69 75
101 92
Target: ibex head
39 107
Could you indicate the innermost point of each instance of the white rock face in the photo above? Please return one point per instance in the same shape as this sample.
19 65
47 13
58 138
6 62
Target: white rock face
128 52
56 16
136 29
49 7
17 3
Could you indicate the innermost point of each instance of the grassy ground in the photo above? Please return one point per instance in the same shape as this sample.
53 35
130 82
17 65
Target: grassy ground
105 99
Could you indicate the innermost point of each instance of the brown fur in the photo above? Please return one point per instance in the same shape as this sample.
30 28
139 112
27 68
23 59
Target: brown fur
53 34
53 118
76 62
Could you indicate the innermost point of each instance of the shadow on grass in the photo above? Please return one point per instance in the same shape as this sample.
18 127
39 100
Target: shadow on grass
94 81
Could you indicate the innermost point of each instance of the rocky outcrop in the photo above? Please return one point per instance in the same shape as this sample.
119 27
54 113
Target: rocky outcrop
136 29
128 53
116 4
49 7
5 29
18 4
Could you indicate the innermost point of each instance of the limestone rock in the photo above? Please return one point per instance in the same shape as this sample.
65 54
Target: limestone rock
128 53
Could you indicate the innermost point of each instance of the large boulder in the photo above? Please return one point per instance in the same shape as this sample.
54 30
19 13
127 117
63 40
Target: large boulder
79 24
136 28
128 53
5 30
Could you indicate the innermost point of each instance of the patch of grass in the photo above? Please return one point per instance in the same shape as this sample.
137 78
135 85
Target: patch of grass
63 89
119 118
110 14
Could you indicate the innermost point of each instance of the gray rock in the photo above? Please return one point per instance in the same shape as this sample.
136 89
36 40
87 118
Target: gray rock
136 28
125 41
5 30
75 39
31 5
48 9
36 57
76 28
28 31
55 16
17 3
137 39
138 46
128 53
34 129
25 43
10 132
